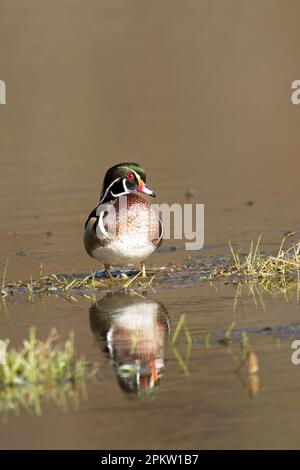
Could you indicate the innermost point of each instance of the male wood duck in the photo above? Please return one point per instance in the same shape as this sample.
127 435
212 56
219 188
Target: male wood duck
124 229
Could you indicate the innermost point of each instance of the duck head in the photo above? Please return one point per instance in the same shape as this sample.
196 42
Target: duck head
123 179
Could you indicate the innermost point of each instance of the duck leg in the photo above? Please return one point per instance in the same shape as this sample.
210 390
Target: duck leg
108 271
143 270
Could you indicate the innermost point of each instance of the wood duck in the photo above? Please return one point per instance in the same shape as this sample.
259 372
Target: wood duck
123 229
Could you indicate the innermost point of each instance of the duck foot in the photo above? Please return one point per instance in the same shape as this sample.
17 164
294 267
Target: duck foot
143 270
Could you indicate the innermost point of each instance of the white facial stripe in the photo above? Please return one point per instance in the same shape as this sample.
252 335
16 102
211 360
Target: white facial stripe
111 184
136 174
126 190
124 186
120 194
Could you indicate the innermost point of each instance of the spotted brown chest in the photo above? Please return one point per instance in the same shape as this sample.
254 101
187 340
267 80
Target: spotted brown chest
126 231
133 216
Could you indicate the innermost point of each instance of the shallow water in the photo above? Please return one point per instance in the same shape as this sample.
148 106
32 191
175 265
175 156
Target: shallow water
195 401
91 86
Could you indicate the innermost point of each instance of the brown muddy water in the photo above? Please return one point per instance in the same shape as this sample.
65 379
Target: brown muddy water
199 94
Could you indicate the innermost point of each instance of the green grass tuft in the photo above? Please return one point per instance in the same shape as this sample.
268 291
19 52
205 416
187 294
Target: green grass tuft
41 362
282 267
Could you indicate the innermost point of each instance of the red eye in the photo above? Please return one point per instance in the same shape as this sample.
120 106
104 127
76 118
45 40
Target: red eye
130 176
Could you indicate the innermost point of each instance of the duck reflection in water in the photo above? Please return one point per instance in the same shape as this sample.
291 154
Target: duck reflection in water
135 330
